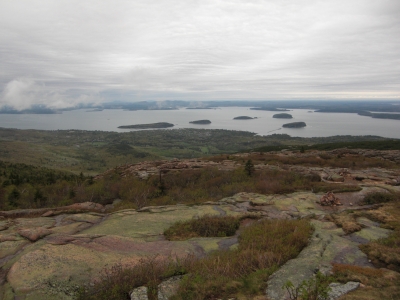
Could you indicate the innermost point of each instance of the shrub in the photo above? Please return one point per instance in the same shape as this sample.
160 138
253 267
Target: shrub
249 167
380 283
316 288
206 226
378 197
118 281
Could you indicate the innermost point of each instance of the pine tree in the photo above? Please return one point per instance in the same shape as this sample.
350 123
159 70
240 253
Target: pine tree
12 197
249 167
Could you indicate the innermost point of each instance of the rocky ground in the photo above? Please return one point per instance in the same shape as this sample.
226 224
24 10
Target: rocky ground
49 253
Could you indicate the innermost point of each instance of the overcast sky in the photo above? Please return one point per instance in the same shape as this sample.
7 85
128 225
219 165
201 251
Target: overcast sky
63 52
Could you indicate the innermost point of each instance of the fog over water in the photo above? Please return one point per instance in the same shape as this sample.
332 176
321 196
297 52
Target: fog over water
318 124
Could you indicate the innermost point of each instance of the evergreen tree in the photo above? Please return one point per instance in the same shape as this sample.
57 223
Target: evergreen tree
13 197
249 167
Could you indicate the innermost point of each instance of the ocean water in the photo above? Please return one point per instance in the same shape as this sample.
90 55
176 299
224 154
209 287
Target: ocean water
318 124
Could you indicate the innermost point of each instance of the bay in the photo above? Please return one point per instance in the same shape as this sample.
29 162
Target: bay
318 124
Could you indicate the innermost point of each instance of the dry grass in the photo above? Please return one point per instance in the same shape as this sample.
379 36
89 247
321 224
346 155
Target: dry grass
376 283
263 247
206 226
118 281
324 187
347 221
379 197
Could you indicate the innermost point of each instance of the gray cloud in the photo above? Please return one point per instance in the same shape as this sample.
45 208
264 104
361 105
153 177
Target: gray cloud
59 53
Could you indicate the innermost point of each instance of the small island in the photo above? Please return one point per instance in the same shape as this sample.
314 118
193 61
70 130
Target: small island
148 126
201 122
244 118
283 116
294 125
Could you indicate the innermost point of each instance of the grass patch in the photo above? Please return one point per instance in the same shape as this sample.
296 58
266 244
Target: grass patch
323 187
379 283
206 226
379 197
347 221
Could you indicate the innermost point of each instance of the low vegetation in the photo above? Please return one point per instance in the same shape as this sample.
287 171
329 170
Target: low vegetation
347 221
379 197
386 144
117 282
315 288
263 247
24 186
378 283
322 160
206 226
50 188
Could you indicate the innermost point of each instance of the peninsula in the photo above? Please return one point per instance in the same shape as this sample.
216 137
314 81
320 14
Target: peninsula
148 126
392 116
294 125
201 122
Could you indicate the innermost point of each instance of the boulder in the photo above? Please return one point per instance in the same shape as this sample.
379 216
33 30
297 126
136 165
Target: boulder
169 287
338 289
139 293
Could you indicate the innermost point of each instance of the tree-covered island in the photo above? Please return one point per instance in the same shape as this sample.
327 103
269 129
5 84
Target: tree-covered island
244 118
283 116
148 126
294 125
201 122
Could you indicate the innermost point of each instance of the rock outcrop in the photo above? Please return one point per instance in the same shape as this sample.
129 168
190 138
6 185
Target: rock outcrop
48 212
338 289
48 253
